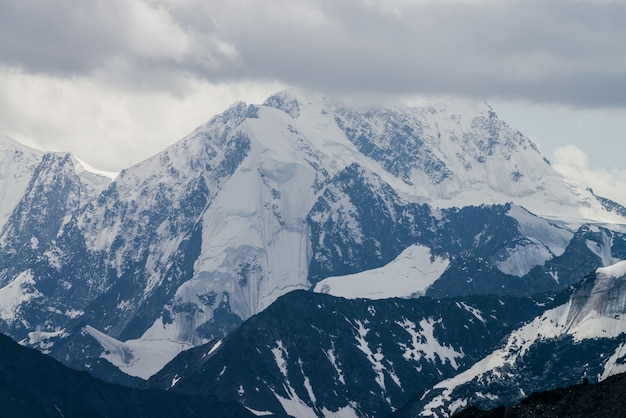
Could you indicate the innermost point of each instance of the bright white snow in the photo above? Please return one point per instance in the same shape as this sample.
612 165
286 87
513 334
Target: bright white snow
255 237
425 345
615 364
15 294
332 358
603 313
141 358
478 314
375 358
44 340
17 165
548 325
410 274
615 271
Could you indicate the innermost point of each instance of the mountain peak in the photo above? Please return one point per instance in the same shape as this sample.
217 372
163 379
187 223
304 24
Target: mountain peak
7 142
286 101
265 199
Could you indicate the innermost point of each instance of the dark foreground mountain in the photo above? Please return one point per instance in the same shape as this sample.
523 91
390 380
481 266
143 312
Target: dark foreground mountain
599 400
311 354
35 385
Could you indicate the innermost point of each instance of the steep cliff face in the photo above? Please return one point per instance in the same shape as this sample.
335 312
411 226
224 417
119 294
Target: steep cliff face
265 199
46 270
604 297
17 164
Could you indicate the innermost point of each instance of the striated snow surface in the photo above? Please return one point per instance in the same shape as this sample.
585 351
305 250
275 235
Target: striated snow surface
601 312
544 241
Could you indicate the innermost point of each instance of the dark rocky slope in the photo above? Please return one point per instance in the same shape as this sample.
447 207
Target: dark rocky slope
35 385
601 400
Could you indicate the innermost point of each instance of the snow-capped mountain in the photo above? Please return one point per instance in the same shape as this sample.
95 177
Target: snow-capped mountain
292 194
43 193
583 338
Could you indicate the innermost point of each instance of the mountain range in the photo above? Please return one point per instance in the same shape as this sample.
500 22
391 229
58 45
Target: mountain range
296 217
313 355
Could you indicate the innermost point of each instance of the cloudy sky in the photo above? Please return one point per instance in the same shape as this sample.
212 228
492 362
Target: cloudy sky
115 81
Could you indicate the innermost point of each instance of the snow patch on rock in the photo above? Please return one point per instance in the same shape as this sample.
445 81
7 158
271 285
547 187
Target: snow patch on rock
410 274
141 358
15 294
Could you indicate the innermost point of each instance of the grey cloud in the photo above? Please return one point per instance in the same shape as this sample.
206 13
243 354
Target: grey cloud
551 50
55 37
546 51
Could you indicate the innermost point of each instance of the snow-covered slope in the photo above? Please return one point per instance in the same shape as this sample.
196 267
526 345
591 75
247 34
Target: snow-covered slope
265 199
514 249
582 338
410 274
17 164
372 356
18 167
41 253
458 153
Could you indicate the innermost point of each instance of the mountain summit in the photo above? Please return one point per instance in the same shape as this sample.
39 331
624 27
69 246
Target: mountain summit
265 199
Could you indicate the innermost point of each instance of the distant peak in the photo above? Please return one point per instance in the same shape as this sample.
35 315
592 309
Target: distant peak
453 105
8 143
286 101
292 101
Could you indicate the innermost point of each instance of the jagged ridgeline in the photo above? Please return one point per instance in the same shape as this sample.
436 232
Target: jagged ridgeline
301 192
313 355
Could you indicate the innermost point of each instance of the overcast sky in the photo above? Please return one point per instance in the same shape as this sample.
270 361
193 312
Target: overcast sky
116 81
